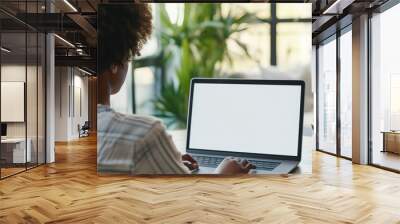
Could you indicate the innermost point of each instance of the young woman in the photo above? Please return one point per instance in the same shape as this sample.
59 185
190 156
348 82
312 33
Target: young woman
134 144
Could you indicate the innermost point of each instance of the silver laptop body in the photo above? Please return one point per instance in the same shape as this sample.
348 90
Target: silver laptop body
257 120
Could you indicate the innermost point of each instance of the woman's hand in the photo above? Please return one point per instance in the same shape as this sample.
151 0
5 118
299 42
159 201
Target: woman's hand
232 165
189 162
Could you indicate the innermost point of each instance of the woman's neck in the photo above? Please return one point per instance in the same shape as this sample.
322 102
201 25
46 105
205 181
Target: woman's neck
103 90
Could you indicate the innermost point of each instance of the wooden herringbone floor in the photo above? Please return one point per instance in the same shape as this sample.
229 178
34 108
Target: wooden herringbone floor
70 191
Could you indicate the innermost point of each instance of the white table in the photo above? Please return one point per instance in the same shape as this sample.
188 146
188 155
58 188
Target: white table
305 166
18 148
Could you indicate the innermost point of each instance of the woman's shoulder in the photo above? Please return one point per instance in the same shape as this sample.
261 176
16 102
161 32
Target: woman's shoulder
110 121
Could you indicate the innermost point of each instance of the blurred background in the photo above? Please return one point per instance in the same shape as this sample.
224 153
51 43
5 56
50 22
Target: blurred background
237 40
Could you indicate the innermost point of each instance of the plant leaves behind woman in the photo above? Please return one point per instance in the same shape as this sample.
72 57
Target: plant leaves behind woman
201 41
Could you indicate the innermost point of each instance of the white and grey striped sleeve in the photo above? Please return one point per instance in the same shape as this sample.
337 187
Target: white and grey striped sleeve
157 154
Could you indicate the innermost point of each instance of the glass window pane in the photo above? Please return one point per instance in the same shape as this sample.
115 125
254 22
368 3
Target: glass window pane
259 53
346 94
327 97
385 89
32 100
145 90
293 44
394 102
14 153
32 89
238 61
293 10
41 99
261 10
124 95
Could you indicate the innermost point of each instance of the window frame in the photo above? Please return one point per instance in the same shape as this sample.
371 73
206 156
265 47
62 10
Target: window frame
154 60
334 37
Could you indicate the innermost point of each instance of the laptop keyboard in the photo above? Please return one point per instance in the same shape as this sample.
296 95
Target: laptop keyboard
210 161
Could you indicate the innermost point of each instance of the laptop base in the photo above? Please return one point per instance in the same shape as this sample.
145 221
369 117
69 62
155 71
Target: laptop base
284 167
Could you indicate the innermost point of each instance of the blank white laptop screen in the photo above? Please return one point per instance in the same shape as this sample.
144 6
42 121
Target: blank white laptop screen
246 118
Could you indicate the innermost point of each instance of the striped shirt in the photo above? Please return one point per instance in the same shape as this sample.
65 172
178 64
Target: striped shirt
133 144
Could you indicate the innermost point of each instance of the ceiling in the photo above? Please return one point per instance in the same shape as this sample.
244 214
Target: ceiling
16 42
331 15
76 22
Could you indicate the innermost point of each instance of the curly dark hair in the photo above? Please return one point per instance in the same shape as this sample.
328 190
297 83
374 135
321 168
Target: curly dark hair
122 31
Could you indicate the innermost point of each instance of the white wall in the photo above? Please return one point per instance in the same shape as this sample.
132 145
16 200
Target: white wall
61 103
70 83
79 117
16 73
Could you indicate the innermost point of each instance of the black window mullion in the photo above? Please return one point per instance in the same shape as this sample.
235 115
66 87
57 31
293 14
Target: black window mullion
273 34
317 96
338 77
37 90
44 72
369 95
26 86
133 88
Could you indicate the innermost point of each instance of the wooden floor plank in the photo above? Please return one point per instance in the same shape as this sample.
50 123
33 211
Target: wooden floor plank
70 191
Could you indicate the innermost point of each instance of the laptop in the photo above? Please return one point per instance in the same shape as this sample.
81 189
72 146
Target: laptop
257 120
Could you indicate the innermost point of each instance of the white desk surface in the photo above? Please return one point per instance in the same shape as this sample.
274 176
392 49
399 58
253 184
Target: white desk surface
305 166
20 152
